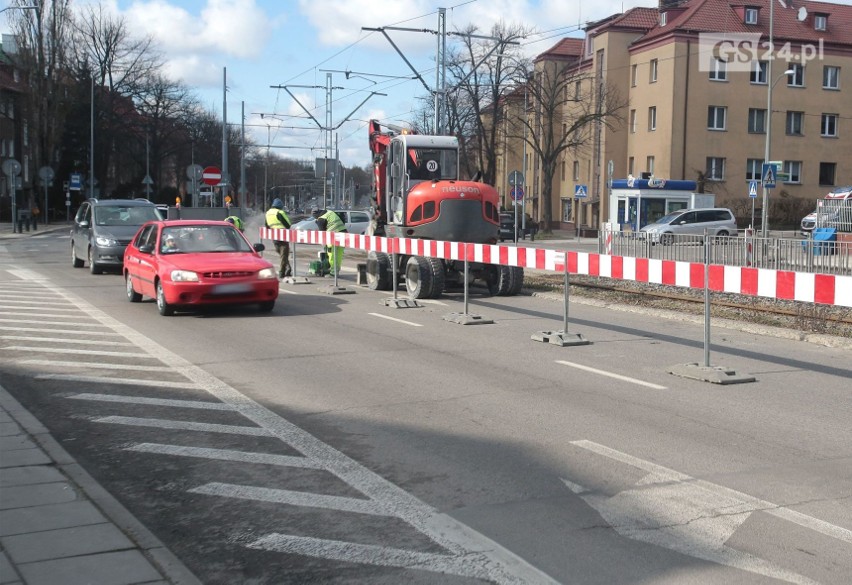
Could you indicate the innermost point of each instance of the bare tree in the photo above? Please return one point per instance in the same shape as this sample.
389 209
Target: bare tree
42 37
119 64
568 108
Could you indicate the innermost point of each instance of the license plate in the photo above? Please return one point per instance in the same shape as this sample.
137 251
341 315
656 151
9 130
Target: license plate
231 289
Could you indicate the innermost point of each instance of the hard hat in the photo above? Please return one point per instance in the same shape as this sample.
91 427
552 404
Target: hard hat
277 203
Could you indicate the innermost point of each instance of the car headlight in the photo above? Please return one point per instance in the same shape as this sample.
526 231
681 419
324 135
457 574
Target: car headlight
104 241
267 274
184 276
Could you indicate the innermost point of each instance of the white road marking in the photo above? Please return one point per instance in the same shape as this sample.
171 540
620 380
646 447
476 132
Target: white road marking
52 330
77 351
432 302
199 404
367 553
694 517
468 551
54 310
95 365
181 425
288 291
395 319
64 340
43 322
611 375
123 381
225 455
293 498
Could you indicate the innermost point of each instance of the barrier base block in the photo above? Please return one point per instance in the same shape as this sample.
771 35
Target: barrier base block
401 303
712 374
295 280
560 338
330 289
467 319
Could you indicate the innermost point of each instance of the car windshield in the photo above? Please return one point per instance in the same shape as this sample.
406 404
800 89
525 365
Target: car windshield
117 215
202 239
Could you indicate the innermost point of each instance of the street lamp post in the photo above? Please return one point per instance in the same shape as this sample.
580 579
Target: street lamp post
764 215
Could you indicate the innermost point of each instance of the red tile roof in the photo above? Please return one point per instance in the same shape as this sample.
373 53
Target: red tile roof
722 16
565 48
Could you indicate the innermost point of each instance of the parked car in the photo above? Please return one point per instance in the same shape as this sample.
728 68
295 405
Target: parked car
507 226
356 222
103 228
191 263
720 221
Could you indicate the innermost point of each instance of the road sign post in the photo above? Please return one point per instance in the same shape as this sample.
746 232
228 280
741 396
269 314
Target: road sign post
752 193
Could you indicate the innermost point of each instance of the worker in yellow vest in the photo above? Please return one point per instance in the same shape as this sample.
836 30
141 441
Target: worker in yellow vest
277 218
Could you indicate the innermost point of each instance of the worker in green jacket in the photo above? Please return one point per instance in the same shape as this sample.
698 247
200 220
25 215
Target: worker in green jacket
329 221
277 218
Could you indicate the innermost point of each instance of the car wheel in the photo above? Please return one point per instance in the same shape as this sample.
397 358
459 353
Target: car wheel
266 306
722 237
132 295
94 268
666 239
75 262
163 307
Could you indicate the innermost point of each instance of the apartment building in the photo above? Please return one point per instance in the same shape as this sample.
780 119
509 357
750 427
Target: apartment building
697 78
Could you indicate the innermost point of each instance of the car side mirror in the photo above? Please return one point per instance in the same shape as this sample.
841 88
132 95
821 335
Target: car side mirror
83 224
259 247
146 248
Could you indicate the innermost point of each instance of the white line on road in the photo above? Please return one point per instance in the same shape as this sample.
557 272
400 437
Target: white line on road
78 351
395 319
225 455
43 322
123 381
293 498
40 307
95 365
288 291
51 330
64 340
611 375
181 425
200 404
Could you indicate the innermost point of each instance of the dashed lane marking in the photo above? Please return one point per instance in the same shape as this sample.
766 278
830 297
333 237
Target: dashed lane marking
395 319
611 375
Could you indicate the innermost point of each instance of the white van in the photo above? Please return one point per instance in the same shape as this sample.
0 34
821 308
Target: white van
834 210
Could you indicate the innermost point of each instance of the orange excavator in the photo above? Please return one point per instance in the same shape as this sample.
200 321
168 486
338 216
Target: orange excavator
417 193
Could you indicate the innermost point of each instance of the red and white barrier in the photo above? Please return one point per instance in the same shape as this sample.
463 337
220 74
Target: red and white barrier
823 289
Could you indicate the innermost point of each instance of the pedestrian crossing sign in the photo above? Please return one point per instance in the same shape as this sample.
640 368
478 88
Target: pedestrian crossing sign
752 189
580 191
770 172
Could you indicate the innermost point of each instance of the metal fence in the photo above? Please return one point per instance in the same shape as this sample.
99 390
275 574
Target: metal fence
799 255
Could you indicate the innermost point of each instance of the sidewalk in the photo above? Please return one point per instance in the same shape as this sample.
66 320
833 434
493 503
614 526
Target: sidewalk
6 232
58 525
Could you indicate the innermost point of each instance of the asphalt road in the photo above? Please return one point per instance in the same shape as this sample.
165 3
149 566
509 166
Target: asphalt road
340 440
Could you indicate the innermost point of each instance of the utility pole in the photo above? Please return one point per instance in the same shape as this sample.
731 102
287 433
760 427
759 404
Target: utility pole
225 180
242 202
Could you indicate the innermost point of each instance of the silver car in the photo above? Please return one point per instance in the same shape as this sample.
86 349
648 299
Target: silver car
356 222
103 228
720 221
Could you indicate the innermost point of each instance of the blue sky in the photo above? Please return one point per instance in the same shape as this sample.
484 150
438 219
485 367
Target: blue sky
264 43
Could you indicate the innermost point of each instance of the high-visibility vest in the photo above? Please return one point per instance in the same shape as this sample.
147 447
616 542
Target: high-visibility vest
335 224
276 218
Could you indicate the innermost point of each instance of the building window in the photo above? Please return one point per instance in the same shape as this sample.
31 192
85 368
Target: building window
795 121
649 165
827 173
716 116
759 71
751 15
820 21
630 165
828 126
715 168
652 118
634 69
653 77
720 70
562 171
633 121
754 168
756 121
797 79
793 170
576 170
577 88
830 77
663 18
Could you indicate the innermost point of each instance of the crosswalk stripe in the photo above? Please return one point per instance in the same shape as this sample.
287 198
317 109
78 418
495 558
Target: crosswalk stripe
95 365
225 455
199 404
78 351
125 381
182 425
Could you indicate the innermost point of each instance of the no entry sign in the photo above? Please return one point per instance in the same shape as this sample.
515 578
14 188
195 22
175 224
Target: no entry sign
211 176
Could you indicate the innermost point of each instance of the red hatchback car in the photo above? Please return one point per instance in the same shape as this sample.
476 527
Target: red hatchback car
189 263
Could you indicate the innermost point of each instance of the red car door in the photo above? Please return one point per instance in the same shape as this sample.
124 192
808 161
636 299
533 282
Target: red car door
141 260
